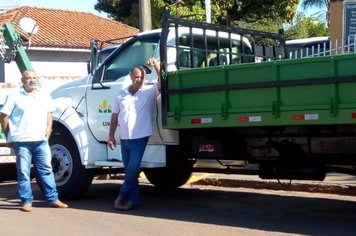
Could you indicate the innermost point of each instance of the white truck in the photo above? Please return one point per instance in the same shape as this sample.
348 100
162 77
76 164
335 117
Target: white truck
82 118
7 160
229 104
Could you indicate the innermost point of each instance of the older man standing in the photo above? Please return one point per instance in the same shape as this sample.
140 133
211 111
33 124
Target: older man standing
26 119
132 111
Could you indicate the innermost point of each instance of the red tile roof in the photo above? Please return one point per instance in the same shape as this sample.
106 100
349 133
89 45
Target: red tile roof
66 29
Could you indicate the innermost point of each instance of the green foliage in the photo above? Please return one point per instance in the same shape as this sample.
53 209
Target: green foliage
264 24
306 27
315 3
321 4
116 9
268 16
222 11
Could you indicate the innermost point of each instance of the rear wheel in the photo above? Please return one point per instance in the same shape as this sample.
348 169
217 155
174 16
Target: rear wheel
177 172
72 179
168 177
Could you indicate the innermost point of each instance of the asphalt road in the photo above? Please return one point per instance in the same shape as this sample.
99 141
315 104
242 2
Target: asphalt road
192 210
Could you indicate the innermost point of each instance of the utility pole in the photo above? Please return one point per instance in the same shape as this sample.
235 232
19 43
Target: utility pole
145 19
208 11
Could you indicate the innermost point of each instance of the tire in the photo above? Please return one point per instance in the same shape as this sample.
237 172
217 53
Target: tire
168 177
177 172
8 172
72 179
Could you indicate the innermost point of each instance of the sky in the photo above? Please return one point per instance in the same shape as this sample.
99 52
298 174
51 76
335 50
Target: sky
73 5
310 11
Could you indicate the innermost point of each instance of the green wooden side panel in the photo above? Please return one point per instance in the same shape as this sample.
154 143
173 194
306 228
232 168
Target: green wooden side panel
311 91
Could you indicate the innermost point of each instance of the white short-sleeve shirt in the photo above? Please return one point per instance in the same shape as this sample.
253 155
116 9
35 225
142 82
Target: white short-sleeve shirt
27 115
135 112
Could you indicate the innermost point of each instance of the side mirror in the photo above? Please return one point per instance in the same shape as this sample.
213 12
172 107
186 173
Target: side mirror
88 67
94 55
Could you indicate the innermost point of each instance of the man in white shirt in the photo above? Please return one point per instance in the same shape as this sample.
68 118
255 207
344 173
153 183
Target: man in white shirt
26 119
132 111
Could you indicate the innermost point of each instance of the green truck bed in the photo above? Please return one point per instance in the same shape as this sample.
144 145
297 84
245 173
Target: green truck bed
310 91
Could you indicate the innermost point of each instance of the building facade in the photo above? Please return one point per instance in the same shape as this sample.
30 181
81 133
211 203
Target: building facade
60 50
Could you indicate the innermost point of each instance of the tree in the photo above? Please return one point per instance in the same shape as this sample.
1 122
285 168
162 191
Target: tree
222 11
306 27
116 9
315 3
321 4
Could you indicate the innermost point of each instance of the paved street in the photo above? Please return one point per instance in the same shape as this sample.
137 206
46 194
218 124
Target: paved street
191 210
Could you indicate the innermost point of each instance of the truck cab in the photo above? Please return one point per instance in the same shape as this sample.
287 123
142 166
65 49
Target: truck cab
82 119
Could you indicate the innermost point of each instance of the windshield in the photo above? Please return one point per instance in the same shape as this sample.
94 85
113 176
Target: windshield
105 52
134 54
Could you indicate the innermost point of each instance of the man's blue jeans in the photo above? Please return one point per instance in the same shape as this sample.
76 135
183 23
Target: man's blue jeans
39 152
132 152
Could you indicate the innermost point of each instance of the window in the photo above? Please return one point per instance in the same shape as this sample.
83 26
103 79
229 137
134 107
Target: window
210 50
135 54
105 52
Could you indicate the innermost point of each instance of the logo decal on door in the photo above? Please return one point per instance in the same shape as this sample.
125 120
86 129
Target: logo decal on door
105 107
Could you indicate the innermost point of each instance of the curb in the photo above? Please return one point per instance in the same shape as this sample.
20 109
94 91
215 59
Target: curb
275 185
285 185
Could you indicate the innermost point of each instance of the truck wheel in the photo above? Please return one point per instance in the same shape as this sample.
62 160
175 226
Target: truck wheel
72 179
168 177
176 173
8 171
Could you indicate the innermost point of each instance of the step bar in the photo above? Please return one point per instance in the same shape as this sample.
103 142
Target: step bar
117 163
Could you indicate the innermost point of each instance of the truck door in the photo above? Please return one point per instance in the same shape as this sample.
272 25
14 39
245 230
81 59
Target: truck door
112 76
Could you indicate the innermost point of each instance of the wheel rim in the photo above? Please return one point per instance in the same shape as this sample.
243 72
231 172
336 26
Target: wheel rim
61 163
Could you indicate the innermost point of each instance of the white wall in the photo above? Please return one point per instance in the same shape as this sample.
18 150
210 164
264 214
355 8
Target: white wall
52 67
